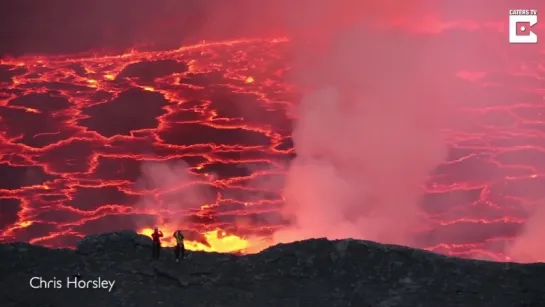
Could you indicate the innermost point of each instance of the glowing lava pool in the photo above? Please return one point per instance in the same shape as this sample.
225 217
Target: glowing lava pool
178 138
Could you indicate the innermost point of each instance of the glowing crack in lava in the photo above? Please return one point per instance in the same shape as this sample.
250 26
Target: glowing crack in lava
183 139
76 132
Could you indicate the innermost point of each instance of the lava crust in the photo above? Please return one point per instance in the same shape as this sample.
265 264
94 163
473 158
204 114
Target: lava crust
79 132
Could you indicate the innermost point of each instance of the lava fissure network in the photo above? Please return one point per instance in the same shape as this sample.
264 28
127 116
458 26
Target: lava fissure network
199 138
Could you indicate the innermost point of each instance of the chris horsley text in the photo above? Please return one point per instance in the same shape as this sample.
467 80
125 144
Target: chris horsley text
71 283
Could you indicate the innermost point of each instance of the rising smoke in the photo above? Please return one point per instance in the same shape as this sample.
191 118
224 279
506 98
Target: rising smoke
528 246
365 140
180 192
369 130
369 133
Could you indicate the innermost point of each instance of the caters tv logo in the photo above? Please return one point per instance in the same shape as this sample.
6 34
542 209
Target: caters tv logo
520 24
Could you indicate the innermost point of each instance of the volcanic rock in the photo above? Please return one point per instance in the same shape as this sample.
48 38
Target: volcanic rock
313 273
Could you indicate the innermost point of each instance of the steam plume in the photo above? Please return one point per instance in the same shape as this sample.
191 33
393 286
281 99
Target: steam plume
369 131
365 142
528 246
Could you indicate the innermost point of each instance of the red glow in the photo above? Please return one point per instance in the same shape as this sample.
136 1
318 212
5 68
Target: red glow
76 130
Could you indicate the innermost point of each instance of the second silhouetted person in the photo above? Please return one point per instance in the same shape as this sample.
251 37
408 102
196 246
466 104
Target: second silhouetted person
180 248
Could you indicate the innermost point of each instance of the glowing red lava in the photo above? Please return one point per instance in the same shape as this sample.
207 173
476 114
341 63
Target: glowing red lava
75 130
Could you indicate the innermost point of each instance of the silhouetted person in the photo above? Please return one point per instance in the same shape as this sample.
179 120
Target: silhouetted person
156 243
180 248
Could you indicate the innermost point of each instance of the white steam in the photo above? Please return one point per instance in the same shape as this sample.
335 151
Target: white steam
172 190
529 246
365 142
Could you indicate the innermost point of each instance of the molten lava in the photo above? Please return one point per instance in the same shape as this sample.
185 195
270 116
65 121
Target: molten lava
75 131
217 241
94 119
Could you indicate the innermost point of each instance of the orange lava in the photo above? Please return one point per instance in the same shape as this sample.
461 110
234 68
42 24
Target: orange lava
218 241
74 131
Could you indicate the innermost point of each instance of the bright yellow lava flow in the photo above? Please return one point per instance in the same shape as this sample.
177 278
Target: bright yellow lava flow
219 241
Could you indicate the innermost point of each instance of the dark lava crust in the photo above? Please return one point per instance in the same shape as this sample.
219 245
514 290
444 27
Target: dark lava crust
312 273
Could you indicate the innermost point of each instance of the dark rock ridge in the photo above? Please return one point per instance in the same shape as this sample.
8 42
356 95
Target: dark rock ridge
312 273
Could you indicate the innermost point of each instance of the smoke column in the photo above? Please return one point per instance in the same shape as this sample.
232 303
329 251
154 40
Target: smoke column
365 141
368 131
528 246
369 125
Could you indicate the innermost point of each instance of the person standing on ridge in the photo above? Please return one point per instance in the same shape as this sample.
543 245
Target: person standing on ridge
180 248
156 242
